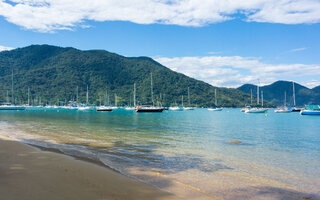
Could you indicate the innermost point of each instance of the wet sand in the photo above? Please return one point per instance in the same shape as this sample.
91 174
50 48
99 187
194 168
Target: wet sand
28 173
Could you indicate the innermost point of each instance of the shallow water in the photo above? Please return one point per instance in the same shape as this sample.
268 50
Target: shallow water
188 152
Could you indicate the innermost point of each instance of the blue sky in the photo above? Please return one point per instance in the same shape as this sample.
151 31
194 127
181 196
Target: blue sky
248 41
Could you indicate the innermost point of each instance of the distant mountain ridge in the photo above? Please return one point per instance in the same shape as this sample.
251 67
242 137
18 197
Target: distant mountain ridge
274 93
53 73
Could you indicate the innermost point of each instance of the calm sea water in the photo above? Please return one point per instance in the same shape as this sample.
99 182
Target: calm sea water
187 152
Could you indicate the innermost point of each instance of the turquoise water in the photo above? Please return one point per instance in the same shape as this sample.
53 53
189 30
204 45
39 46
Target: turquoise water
279 150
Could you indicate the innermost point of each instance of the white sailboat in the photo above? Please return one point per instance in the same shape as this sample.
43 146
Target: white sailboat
86 107
149 108
294 109
11 106
134 99
257 110
188 108
283 109
215 109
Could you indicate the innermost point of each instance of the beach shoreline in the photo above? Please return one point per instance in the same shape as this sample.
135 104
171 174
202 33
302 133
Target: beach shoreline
222 184
30 173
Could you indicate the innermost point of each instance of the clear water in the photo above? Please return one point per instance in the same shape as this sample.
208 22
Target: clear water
187 152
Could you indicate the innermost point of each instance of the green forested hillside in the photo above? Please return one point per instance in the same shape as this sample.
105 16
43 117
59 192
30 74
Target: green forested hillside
53 74
275 93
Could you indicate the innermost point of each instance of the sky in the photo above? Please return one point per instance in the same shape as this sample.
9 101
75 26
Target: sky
222 42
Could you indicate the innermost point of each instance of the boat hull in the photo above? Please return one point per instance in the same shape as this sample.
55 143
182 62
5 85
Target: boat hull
150 109
310 112
12 108
104 110
256 111
282 111
215 109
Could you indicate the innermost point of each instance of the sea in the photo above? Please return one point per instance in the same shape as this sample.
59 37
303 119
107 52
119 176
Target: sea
195 154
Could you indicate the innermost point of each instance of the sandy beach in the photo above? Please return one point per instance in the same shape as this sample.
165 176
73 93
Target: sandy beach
28 173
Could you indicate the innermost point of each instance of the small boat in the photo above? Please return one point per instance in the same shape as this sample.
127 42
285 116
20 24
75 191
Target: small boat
311 110
176 108
129 108
282 110
104 108
245 108
11 107
149 109
188 108
256 110
86 108
295 109
215 102
215 109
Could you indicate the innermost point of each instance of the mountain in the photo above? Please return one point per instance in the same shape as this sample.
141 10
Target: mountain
274 93
53 74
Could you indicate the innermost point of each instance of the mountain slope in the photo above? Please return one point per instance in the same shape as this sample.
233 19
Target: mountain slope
274 93
53 74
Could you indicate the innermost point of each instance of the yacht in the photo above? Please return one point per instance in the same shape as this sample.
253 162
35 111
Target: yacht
104 108
149 109
8 106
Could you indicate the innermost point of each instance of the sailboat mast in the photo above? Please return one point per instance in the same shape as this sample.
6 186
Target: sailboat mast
189 96
115 100
251 95
285 98
7 96
12 87
294 94
262 98
215 97
258 94
87 100
77 95
134 94
28 96
152 90
106 98
182 100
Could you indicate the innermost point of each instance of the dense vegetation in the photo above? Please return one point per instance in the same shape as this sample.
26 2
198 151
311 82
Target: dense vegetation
53 74
275 93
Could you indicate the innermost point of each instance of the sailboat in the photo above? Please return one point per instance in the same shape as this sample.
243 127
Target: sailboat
294 109
134 99
104 108
86 107
149 108
188 108
11 106
215 108
284 109
257 110
177 108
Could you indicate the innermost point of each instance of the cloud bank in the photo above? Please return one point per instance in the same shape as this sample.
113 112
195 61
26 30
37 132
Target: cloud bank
233 71
51 15
3 48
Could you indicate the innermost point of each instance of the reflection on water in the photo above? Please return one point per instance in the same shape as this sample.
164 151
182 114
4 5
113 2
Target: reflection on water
188 148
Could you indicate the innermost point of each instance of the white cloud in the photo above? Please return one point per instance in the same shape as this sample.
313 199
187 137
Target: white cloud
311 83
233 71
298 49
3 48
50 15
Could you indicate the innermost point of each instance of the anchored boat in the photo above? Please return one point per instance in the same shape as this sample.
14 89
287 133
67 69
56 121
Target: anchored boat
256 110
311 110
11 107
149 109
